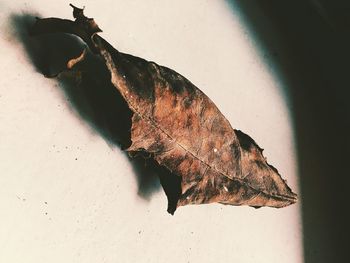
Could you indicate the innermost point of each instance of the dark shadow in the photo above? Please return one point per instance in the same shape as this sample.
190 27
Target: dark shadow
309 43
90 93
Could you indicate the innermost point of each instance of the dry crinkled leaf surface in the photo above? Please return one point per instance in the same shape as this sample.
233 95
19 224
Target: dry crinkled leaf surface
181 128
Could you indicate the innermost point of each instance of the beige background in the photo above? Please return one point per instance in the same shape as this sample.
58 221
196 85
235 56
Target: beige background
55 208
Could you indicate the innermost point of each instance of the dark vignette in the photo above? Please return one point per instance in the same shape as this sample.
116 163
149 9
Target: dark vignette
309 43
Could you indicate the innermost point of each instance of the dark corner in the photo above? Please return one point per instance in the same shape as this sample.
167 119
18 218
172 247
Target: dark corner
309 42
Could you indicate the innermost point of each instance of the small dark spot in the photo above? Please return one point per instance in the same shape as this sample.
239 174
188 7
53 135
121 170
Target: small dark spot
174 101
261 165
176 82
177 86
233 187
45 203
138 74
187 102
189 121
217 127
235 151
46 213
246 141
157 146
173 163
76 158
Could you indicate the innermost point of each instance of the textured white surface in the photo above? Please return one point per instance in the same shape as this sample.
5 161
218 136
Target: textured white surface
55 208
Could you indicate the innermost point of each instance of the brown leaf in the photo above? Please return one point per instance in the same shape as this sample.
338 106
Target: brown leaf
182 129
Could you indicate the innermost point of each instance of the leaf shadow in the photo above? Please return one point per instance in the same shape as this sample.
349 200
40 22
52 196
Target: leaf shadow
93 97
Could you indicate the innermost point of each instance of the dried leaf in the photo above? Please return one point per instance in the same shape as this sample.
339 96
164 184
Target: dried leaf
181 128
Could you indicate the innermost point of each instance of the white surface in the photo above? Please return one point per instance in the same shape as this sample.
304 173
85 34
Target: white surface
94 213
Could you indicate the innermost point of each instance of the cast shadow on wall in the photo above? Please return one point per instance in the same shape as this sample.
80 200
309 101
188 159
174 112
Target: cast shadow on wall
90 93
